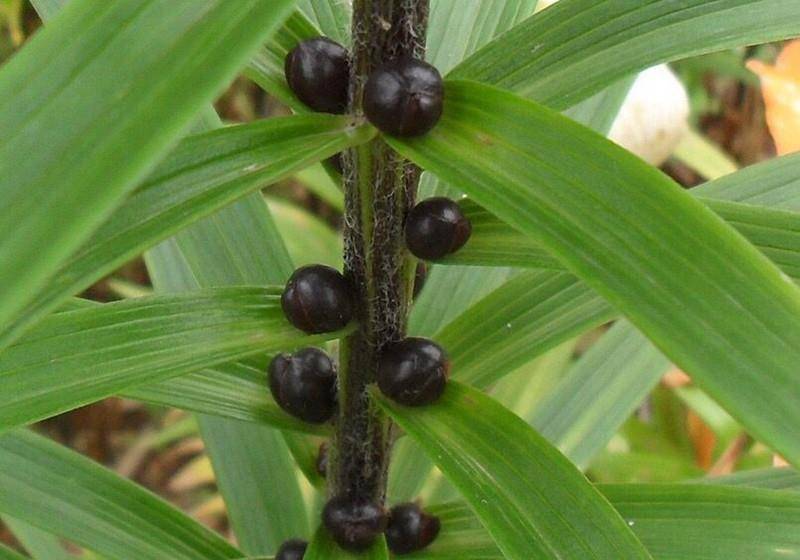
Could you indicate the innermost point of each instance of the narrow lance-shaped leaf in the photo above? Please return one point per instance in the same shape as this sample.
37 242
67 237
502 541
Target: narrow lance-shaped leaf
57 490
82 356
202 174
83 112
710 301
530 498
673 520
575 48
8 554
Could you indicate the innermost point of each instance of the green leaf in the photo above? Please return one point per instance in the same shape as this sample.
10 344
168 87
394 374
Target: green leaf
322 547
710 301
493 243
571 50
95 507
39 544
319 243
203 174
236 391
774 183
87 115
77 357
457 29
672 520
332 17
240 244
530 498
8 554
775 478
699 522
600 392
484 345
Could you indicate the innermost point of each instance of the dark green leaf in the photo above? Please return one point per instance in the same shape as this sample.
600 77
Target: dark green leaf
82 110
203 174
710 301
575 48
530 498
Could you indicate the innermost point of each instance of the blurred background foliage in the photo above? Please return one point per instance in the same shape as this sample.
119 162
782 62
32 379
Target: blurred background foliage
677 433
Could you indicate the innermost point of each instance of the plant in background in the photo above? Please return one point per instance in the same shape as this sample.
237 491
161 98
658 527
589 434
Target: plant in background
447 424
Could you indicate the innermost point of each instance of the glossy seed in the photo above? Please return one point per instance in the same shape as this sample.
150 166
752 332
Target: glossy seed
435 228
304 384
413 372
317 299
353 524
410 528
404 98
318 72
293 549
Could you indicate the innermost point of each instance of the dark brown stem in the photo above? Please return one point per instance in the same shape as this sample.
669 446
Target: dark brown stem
380 186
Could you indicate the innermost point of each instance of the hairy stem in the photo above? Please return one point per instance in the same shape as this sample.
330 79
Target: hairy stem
380 186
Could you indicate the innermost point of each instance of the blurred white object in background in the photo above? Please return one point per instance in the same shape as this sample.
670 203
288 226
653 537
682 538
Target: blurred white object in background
654 117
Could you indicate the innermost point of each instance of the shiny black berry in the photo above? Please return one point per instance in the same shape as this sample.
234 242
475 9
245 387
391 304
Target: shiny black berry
293 549
317 299
304 384
410 528
353 524
404 98
413 372
318 72
436 227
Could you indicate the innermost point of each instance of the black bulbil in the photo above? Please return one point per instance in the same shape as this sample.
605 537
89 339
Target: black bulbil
317 299
413 371
410 528
404 98
304 384
435 228
293 549
318 72
353 524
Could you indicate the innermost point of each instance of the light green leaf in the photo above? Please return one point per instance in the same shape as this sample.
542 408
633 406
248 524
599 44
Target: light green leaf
599 393
237 391
774 183
699 522
240 244
77 357
775 478
202 174
309 240
673 521
95 507
572 50
39 544
457 29
710 301
332 17
82 111
484 346
322 547
533 502
493 243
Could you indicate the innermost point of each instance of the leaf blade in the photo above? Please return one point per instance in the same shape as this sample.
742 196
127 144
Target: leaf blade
487 453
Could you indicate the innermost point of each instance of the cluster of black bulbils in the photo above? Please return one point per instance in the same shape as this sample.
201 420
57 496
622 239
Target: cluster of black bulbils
402 98
407 527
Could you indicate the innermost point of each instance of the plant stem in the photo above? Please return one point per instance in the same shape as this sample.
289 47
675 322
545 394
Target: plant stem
380 186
